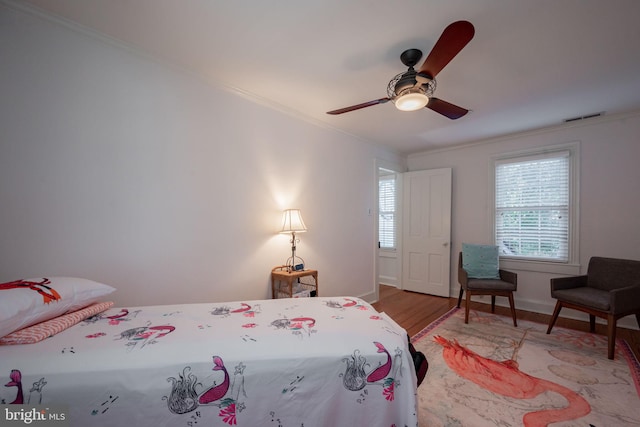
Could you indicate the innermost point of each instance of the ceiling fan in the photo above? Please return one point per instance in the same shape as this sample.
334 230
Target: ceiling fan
413 90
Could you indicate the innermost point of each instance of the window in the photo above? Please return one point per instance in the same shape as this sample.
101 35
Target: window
387 209
534 204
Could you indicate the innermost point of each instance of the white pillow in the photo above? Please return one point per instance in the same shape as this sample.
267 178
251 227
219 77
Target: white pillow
26 302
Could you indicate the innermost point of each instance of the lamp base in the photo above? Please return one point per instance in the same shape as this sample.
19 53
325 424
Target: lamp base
294 263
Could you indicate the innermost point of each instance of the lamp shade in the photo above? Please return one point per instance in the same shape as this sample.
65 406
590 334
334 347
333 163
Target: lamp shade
292 221
412 101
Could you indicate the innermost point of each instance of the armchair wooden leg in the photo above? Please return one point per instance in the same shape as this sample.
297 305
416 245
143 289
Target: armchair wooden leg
460 296
592 323
554 317
611 333
638 318
513 309
467 303
493 303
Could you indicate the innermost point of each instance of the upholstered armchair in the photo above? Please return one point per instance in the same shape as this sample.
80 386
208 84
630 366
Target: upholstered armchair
610 290
501 283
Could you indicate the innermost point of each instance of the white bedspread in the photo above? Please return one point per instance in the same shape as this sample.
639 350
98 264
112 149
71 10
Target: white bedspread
282 363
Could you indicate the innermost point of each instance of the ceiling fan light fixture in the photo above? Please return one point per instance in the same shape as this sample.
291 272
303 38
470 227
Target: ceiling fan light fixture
412 101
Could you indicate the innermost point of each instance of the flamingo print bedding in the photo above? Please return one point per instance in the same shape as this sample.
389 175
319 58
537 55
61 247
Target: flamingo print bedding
282 363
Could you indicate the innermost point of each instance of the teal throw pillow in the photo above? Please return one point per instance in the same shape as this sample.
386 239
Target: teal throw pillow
480 261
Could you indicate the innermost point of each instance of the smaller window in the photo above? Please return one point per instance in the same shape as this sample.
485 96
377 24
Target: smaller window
387 209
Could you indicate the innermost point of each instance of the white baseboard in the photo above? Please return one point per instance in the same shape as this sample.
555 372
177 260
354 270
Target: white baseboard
369 297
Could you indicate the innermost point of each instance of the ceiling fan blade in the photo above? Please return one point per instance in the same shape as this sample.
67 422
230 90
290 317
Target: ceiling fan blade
445 108
359 106
453 39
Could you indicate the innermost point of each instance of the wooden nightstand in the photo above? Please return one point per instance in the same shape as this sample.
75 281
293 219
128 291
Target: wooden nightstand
285 284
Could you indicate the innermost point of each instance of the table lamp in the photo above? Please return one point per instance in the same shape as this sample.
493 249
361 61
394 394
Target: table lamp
292 223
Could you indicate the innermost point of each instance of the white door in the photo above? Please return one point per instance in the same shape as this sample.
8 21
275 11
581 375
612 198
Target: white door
426 230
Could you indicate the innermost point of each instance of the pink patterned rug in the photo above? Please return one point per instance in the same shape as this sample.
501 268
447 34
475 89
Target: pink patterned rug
488 373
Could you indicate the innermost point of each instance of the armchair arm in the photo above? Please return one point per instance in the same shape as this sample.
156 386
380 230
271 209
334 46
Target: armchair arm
463 277
508 276
559 283
625 300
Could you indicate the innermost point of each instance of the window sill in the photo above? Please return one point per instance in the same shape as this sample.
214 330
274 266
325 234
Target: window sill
540 266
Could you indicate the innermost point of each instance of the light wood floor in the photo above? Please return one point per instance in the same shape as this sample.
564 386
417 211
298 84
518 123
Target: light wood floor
413 311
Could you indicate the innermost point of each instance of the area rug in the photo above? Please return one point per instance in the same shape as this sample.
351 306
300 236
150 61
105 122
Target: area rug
490 373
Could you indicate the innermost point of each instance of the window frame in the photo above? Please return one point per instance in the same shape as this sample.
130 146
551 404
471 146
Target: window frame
571 266
392 176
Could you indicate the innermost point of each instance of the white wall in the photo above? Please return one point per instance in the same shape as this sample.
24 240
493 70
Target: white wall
609 195
118 168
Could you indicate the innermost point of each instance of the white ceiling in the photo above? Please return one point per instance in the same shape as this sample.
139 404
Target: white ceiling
531 64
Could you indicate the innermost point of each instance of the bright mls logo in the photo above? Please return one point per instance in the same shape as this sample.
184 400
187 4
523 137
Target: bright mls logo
14 415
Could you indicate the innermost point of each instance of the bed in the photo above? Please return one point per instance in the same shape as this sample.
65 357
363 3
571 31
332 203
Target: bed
283 363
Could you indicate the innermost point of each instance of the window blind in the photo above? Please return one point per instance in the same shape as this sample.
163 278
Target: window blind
532 206
387 211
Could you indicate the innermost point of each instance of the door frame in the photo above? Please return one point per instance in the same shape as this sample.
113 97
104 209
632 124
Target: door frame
399 169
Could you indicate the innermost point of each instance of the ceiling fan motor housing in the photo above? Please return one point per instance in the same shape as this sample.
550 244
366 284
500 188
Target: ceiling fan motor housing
406 82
